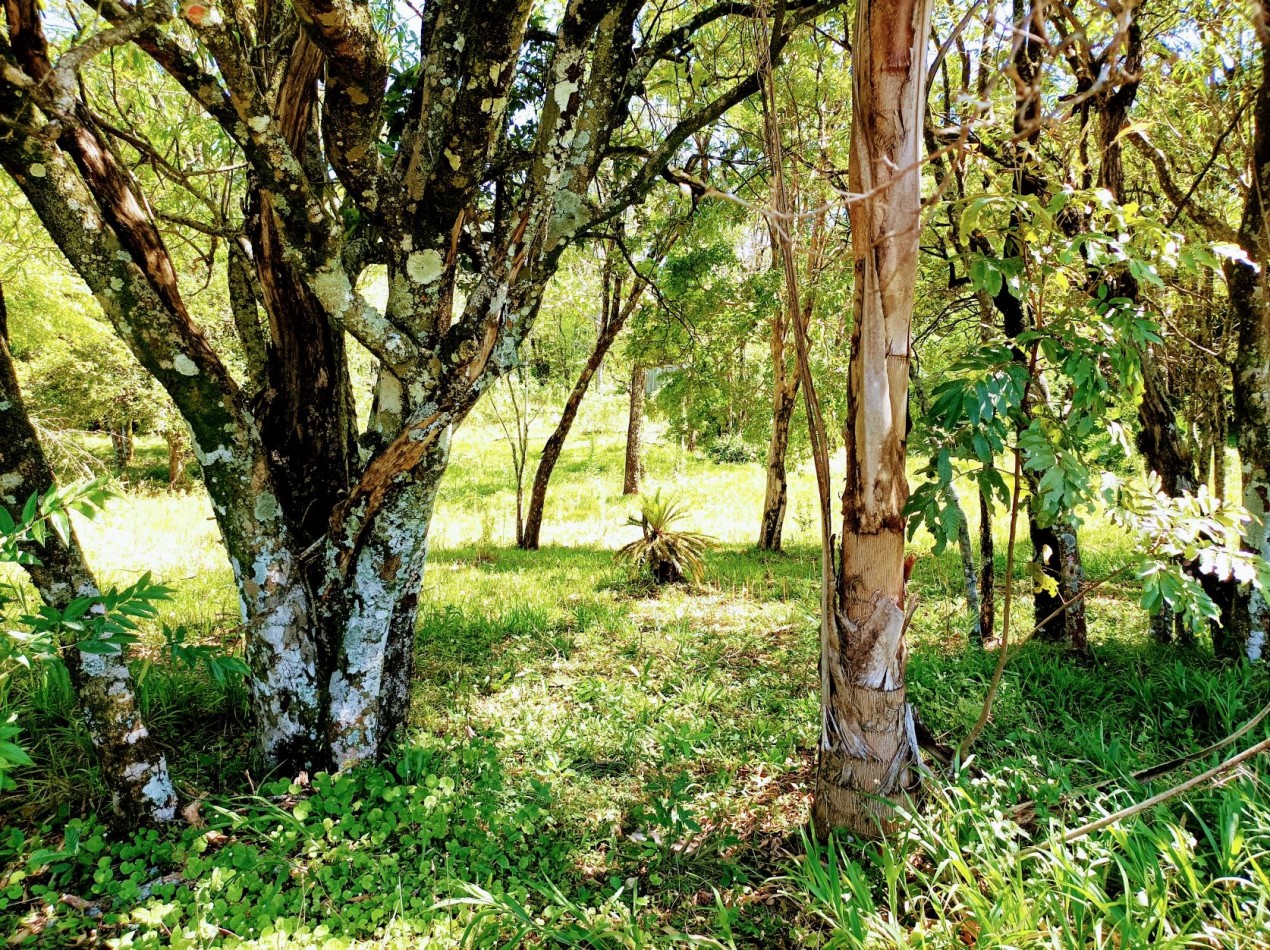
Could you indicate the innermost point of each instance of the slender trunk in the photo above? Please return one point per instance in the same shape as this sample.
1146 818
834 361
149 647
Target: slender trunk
776 495
175 438
555 442
1071 586
635 433
124 446
868 750
966 549
987 571
132 767
1220 440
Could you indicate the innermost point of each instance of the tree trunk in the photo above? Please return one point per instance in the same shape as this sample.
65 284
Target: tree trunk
634 469
613 318
965 548
868 749
1248 624
987 571
373 614
132 767
776 494
175 438
124 446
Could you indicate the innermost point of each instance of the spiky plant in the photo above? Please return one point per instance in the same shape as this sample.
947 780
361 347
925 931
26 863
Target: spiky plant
666 555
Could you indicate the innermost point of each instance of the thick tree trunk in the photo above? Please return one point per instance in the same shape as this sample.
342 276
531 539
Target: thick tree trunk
634 468
868 750
132 768
373 612
776 494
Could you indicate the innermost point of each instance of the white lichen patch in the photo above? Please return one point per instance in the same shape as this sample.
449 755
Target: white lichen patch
184 365
258 123
423 267
562 93
37 170
266 507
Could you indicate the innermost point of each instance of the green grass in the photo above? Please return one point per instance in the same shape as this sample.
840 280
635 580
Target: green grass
593 765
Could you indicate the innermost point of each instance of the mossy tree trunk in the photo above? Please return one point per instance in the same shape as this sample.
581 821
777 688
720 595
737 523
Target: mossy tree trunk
326 528
133 768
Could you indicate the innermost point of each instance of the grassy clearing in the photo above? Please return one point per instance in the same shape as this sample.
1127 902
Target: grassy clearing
593 765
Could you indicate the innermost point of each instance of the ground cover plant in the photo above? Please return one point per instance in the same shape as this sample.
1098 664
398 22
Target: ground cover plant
632 473
596 763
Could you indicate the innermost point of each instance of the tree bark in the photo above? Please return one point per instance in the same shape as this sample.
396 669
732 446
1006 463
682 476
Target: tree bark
987 571
634 468
776 493
132 767
868 751
1246 633
555 442
965 548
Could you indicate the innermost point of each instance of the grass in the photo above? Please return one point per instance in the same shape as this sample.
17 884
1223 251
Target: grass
591 764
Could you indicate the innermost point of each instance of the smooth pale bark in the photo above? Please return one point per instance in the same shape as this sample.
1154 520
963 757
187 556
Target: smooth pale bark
868 748
132 768
633 470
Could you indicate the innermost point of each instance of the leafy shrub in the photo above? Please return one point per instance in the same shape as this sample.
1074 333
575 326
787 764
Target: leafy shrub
732 447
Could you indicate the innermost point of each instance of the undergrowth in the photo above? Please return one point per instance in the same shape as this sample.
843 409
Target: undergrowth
592 763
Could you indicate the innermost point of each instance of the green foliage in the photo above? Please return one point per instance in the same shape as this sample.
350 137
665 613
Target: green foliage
732 448
666 555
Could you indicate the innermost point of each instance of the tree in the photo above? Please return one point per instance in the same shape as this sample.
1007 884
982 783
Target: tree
1249 621
868 754
633 466
463 174
616 307
133 768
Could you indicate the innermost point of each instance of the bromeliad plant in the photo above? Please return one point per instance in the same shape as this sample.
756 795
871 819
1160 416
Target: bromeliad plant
660 552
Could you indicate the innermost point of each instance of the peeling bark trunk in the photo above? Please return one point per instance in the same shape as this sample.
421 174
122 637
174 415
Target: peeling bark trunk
132 767
868 750
634 469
